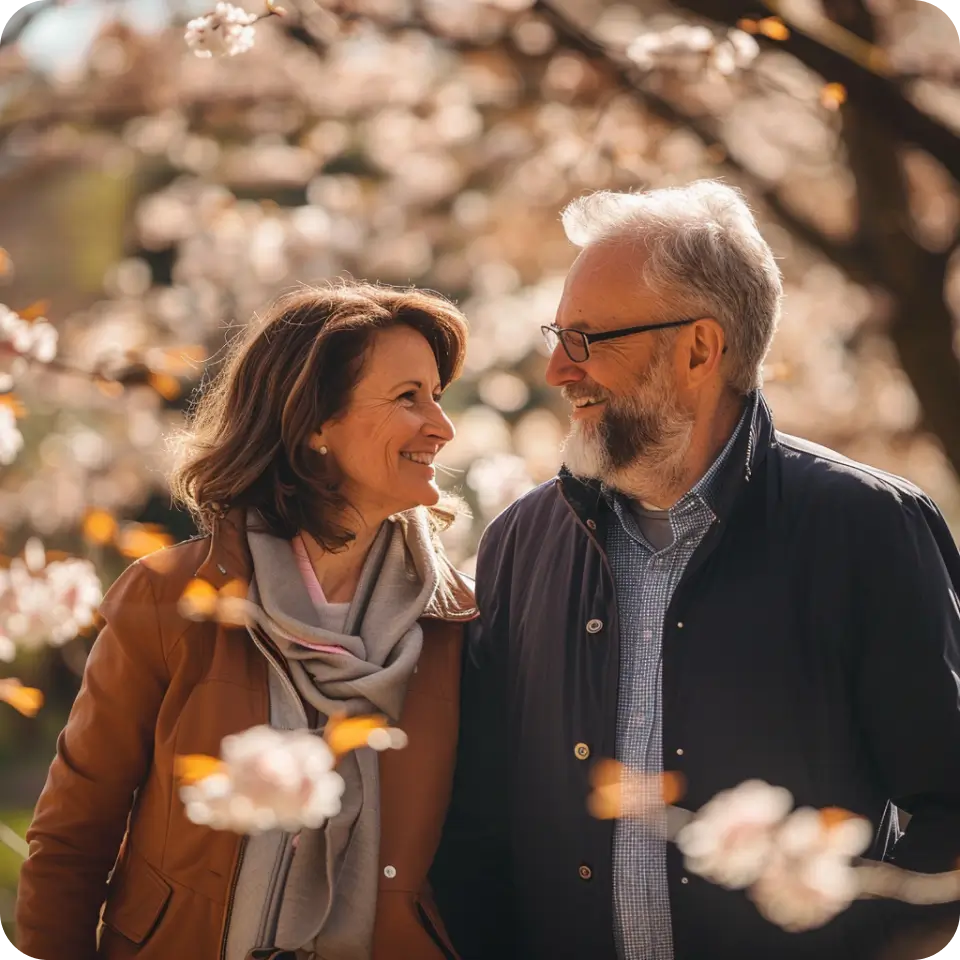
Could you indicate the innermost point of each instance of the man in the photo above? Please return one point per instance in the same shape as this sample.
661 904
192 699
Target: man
696 592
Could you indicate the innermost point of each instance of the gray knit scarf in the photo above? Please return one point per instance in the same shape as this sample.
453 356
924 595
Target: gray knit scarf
329 903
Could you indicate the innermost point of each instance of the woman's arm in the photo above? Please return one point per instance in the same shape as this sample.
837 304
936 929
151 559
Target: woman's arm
103 755
471 875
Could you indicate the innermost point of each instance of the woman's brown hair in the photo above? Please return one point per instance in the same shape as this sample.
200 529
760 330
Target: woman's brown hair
247 441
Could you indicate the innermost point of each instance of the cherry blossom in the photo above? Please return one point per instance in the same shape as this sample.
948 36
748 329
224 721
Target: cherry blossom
34 339
11 439
270 779
687 48
45 603
226 32
731 838
809 877
267 779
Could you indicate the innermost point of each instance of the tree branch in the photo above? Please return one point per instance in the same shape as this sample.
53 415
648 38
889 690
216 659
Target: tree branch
921 324
849 257
865 88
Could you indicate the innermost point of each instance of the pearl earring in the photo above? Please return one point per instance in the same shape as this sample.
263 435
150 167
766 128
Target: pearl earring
323 451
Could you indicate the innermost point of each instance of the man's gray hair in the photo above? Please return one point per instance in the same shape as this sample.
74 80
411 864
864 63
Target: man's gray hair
702 254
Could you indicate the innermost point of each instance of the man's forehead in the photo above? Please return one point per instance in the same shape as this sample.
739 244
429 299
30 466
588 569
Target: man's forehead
604 289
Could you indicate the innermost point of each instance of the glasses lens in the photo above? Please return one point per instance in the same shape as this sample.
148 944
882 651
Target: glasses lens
550 338
575 344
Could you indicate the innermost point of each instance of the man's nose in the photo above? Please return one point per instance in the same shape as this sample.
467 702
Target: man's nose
561 370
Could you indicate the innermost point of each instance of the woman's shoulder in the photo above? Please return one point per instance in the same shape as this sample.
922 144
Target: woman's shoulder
454 600
164 574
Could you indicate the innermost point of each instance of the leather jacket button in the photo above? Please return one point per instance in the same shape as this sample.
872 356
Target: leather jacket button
585 872
594 626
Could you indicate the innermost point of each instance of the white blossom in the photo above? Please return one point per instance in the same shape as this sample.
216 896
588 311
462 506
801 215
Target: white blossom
45 603
11 439
34 339
731 838
224 33
269 779
809 878
692 49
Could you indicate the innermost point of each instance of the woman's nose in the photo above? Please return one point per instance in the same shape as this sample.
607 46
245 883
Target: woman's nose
438 424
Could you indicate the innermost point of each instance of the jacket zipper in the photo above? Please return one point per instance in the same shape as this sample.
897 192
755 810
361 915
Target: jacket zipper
288 686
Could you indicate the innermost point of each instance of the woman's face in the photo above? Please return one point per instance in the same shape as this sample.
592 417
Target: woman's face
384 444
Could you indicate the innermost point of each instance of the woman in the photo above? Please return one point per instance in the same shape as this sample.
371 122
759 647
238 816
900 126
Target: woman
309 465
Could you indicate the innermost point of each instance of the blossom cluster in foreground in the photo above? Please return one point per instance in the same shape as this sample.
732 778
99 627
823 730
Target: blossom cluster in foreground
269 779
796 865
45 603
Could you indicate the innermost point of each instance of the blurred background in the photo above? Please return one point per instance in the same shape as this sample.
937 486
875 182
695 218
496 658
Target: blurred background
152 201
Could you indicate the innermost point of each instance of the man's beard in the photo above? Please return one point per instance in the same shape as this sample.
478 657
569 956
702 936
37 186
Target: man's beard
640 443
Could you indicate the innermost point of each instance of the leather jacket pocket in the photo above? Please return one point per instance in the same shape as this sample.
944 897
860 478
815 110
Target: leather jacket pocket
136 901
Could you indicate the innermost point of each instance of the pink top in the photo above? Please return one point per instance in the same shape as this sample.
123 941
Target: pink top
307 572
316 593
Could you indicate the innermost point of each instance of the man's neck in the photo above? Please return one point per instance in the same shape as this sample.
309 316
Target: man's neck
662 487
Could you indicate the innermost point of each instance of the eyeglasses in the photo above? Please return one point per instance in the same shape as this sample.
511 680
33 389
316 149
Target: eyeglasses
576 343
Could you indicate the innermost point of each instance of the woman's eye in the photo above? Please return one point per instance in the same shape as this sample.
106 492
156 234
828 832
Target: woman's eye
409 397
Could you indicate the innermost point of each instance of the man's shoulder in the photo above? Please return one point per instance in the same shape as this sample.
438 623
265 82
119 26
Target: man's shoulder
526 525
819 476
528 507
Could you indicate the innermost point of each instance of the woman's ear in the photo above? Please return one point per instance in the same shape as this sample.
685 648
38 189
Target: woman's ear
316 443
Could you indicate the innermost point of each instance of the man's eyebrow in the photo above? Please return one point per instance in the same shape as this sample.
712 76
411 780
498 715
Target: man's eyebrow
585 325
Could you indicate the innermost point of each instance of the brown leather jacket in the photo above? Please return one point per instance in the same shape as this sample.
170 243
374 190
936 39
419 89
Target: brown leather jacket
157 685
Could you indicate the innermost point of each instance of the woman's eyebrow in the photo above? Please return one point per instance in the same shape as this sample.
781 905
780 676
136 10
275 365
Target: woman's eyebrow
418 384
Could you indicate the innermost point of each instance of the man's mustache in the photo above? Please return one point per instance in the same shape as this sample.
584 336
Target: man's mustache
580 391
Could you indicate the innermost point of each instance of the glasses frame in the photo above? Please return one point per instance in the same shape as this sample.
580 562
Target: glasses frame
557 336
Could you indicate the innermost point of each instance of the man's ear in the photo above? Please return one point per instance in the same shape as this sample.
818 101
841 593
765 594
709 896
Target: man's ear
707 346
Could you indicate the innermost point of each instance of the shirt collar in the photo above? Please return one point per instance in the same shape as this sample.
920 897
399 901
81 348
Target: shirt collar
705 490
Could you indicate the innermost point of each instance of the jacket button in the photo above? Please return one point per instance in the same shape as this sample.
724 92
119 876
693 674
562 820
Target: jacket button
585 872
680 752
684 880
680 624
594 626
581 751
389 872
592 524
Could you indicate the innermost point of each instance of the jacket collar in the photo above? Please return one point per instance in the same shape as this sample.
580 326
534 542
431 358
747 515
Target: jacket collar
228 560
748 453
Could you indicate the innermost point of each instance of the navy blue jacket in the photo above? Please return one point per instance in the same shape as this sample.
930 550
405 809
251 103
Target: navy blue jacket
812 642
